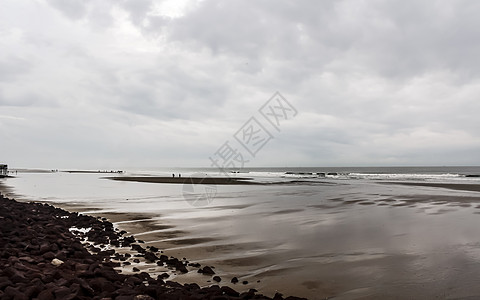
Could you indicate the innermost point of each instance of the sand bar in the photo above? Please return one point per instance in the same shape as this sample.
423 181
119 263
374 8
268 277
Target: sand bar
186 180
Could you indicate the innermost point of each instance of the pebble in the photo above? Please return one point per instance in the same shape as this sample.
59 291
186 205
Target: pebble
56 262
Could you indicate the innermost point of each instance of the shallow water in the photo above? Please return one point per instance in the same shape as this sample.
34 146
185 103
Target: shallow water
347 239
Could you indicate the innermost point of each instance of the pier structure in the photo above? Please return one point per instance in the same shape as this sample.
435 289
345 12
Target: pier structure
3 170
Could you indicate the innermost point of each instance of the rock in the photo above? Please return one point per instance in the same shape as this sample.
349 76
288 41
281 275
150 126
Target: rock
56 262
144 276
134 280
28 259
179 266
15 275
138 248
143 297
44 247
206 270
49 256
163 258
172 262
61 292
126 241
149 256
234 280
192 286
195 265
173 284
217 278
107 252
229 291
95 249
248 295
46 294
100 285
33 290
14 293
124 297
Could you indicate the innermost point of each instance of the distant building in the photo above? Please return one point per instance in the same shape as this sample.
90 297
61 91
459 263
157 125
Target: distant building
3 170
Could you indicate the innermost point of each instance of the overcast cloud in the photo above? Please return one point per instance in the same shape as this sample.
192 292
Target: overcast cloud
143 83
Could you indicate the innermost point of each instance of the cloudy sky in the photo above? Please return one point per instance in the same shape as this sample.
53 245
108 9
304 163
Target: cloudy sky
147 83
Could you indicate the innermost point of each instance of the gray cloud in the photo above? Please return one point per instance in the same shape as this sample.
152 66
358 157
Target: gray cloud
75 9
11 67
375 83
137 10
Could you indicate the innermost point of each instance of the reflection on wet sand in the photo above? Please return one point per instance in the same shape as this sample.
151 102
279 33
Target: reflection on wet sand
354 240
361 245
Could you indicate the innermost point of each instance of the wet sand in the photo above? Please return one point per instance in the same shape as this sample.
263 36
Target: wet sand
347 240
451 186
366 247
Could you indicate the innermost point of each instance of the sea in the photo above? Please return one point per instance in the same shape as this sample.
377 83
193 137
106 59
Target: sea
314 232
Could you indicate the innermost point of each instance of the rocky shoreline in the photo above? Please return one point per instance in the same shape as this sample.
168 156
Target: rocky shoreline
42 257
